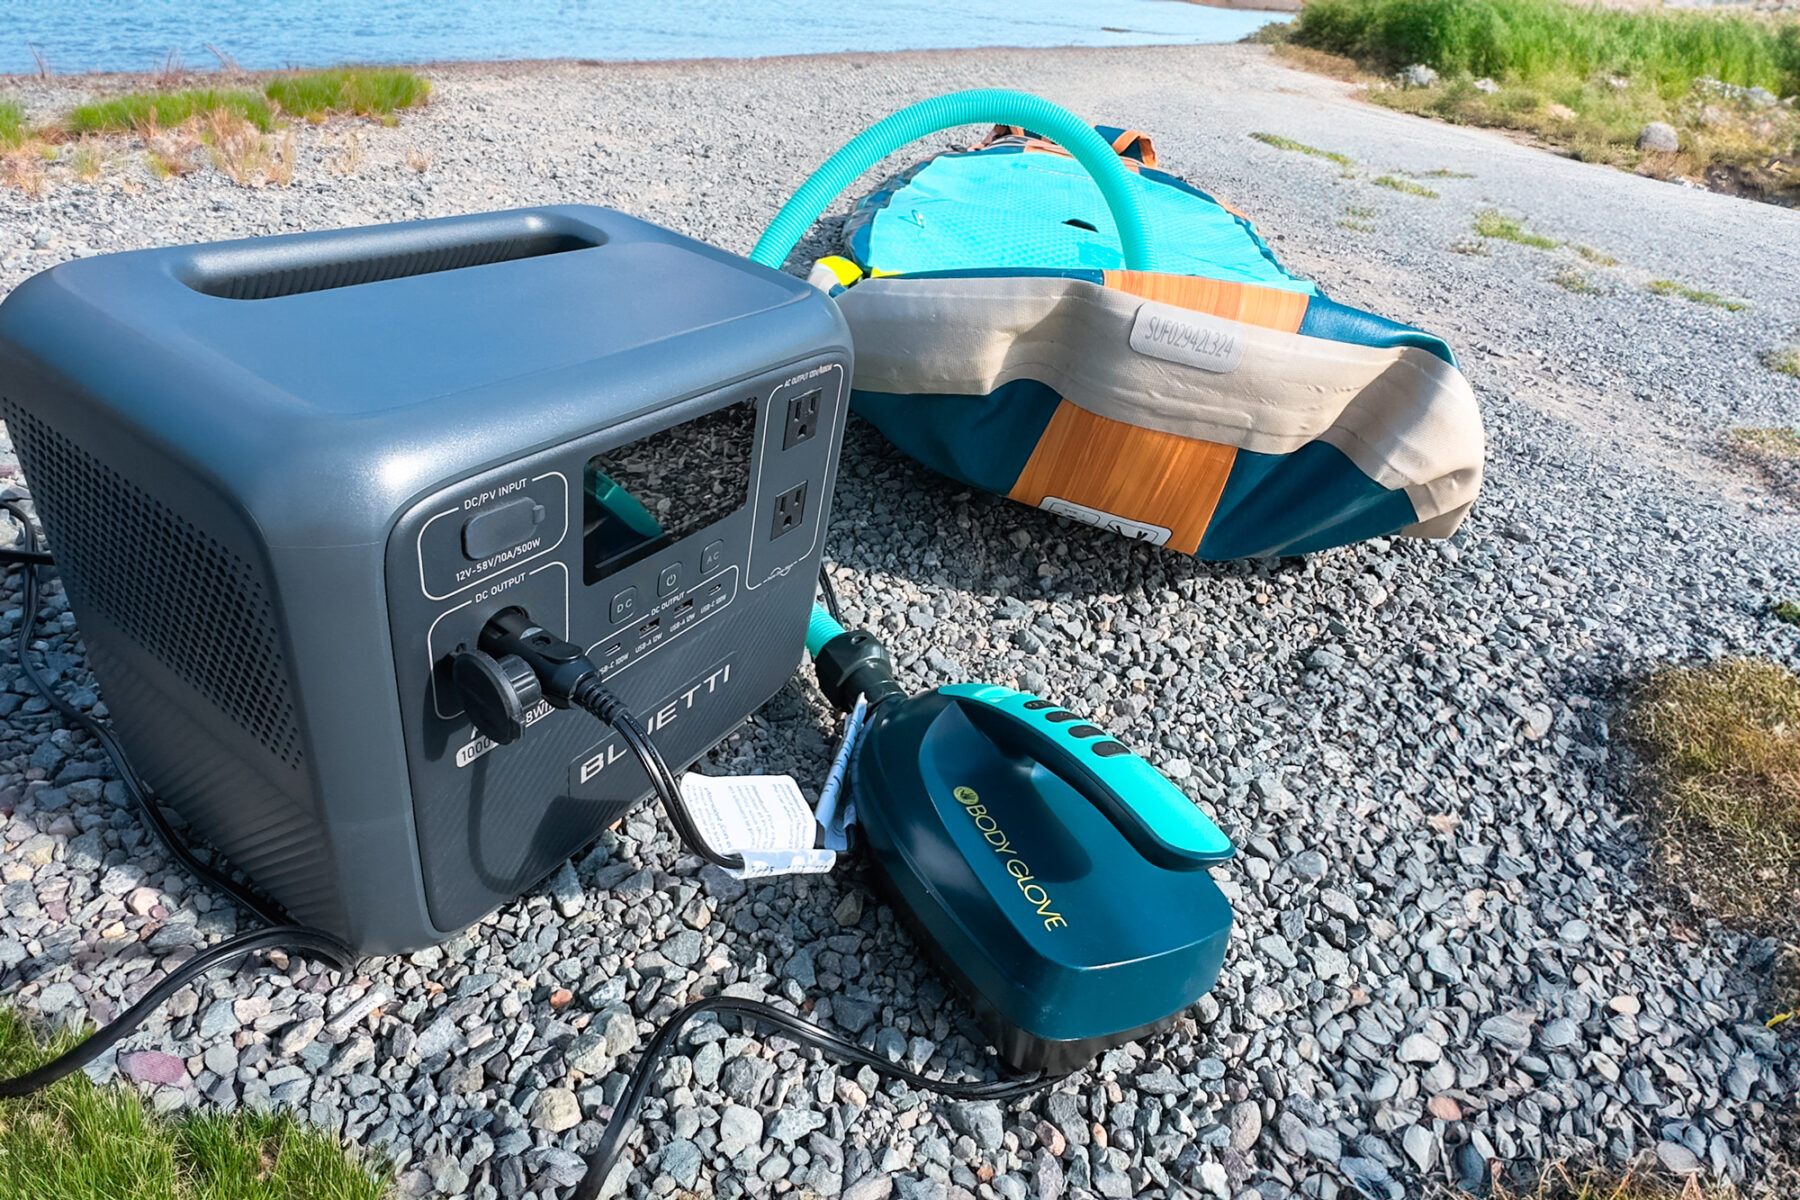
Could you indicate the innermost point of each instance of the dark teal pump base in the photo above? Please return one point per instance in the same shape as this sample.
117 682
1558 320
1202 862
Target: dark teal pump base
1045 866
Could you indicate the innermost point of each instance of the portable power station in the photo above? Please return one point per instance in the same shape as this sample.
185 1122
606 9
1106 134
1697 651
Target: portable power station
287 479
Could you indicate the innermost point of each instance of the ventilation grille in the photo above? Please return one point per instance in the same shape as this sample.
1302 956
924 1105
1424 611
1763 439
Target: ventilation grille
180 595
348 272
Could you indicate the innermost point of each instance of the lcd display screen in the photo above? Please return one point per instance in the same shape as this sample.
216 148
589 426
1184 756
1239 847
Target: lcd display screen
657 490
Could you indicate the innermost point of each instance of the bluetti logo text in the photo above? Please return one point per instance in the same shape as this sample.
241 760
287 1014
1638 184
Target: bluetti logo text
666 714
1183 336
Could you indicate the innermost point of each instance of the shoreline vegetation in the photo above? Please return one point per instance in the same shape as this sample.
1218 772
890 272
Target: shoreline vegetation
77 1140
244 129
1698 96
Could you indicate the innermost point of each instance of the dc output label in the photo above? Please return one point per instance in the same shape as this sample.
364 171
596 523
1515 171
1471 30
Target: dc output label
1034 892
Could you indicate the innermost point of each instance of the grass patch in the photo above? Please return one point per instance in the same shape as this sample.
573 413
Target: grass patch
1399 184
1283 143
1597 257
1536 40
1723 743
1561 1182
1785 360
1588 78
76 1141
1582 284
1446 173
1668 287
137 112
359 91
12 124
1787 611
1781 442
1491 223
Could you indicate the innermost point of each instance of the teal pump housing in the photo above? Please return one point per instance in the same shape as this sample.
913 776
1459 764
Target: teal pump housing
1056 877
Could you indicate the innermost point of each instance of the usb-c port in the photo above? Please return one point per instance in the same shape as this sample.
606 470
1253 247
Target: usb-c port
614 650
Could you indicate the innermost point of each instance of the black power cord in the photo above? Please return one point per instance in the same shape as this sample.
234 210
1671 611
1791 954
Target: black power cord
624 1118
530 663
829 592
524 662
278 933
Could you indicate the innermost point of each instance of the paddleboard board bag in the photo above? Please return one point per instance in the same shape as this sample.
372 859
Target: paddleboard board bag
1194 394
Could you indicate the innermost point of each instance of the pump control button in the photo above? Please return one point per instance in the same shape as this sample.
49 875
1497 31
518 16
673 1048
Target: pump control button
501 527
1109 749
1039 705
1061 716
1085 731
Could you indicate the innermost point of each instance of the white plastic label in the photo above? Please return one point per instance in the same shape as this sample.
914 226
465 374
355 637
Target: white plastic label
1156 535
1185 336
762 817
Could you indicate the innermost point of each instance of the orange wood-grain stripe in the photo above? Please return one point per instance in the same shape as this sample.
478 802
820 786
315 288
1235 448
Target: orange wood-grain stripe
1270 308
1139 474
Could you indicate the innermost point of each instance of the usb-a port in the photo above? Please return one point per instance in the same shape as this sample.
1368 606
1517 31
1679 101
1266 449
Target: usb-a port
649 627
682 609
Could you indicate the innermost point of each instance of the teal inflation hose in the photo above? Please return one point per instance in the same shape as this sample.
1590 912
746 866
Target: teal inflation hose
981 106
820 629
987 106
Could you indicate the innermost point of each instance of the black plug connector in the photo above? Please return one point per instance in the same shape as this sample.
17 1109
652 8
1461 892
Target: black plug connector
561 667
518 662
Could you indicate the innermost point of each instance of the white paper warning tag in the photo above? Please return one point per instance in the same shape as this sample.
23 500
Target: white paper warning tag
762 817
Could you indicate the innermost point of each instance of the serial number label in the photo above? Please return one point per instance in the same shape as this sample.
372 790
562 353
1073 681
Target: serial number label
1184 336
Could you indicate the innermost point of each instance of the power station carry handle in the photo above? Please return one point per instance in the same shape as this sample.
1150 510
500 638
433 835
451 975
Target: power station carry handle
1154 815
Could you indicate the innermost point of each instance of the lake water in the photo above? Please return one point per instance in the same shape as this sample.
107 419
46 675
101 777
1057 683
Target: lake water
138 35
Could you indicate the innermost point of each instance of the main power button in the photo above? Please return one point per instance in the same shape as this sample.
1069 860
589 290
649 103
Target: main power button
501 527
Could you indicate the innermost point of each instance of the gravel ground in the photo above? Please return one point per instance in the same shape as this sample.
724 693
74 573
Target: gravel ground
1449 944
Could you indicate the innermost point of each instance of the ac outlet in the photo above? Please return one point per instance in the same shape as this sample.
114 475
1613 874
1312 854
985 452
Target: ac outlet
790 511
802 419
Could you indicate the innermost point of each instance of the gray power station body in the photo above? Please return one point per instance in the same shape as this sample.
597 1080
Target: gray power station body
285 478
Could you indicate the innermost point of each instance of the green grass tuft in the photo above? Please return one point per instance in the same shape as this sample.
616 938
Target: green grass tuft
76 1141
1780 442
1597 257
12 124
1787 611
141 110
1571 280
361 91
1490 223
1283 143
1539 40
1587 78
1446 173
1785 360
1405 185
1723 741
1668 287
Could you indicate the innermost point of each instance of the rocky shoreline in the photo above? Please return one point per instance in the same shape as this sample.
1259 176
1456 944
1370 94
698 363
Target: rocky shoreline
1451 945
